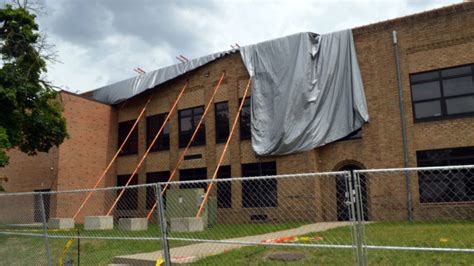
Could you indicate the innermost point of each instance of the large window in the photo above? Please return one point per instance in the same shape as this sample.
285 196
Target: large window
129 198
193 174
259 193
224 188
153 125
245 132
446 186
188 121
131 147
222 122
443 93
155 177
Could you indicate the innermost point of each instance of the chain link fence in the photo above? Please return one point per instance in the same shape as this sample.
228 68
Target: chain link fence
386 216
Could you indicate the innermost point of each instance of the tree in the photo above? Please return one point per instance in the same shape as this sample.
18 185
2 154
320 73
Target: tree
30 115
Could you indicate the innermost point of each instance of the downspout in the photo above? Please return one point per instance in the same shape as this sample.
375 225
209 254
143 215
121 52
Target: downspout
404 129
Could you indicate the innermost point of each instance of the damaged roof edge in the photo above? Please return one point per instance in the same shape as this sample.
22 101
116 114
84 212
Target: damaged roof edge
126 89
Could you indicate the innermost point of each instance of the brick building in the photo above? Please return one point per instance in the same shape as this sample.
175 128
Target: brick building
437 77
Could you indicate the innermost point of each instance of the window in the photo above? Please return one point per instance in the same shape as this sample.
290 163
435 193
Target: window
259 193
193 174
131 147
153 125
354 135
222 121
446 186
188 120
443 93
224 189
129 198
245 132
155 177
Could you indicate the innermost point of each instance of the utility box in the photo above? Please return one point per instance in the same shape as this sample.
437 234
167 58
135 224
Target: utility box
184 203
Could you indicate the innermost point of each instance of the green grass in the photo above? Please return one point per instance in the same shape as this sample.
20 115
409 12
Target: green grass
27 250
458 235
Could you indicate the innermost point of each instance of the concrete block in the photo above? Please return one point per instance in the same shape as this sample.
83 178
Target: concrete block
99 223
133 224
61 223
187 224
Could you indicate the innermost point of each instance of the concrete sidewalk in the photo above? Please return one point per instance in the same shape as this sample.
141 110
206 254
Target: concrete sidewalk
190 253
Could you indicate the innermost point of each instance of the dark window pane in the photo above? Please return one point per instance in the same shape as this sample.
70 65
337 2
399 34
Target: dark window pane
446 186
153 125
457 86
428 109
222 122
193 174
188 121
424 76
245 132
224 189
460 105
155 177
259 193
456 71
425 91
131 146
129 198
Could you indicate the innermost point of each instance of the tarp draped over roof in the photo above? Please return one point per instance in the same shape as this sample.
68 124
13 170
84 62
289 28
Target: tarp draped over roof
125 89
307 90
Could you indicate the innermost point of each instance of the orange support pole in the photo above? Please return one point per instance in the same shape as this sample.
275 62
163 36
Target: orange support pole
181 157
223 151
113 158
149 148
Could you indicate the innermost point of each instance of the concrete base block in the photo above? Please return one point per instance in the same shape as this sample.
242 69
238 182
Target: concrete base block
133 224
99 223
61 223
187 224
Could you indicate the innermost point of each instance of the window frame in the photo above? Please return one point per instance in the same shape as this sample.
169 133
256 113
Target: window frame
241 134
196 172
123 204
442 98
202 128
163 141
224 186
424 179
132 140
161 176
257 201
219 126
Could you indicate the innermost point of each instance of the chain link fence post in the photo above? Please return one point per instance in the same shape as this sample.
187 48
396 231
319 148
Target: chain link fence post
45 227
350 196
359 202
162 220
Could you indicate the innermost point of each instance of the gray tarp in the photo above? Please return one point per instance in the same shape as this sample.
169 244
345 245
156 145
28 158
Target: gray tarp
307 91
125 89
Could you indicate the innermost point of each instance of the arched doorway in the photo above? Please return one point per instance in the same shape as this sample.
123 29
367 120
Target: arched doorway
342 193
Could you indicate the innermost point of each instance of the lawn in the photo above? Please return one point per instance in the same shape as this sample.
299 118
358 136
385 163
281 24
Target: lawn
394 234
27 250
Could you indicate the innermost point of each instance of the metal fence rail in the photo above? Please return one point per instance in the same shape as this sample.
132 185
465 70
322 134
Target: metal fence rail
352 217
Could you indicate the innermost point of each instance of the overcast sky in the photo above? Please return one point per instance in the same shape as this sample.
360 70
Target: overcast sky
101 42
